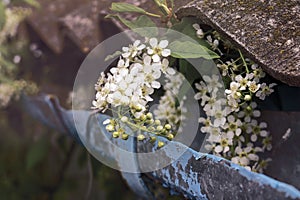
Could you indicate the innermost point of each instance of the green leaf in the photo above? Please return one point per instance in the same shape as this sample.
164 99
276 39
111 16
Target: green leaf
188 70
139 24
188 49
126 7
33 3
185 26
36 153
2 15
112 56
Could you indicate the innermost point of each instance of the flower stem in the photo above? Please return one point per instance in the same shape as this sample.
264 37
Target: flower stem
244 62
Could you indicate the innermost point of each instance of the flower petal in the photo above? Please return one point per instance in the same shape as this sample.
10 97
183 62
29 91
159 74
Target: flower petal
155 58
155 84
153 42
166 52
163 44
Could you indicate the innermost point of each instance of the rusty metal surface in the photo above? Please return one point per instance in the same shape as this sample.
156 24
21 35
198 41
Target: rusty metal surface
266 31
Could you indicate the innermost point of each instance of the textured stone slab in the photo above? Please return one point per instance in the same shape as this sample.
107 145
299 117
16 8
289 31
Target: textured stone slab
45 20
202 176
79 20
195 175
266 31
82 26
285 130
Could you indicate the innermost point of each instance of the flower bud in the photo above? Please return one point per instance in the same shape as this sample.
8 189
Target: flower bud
150 121
138 108
157 122
149 115
160 144
168 126
159 128
152 139
110 128
116 134
143 117
140 137
249 108
125 136
170 136
247 97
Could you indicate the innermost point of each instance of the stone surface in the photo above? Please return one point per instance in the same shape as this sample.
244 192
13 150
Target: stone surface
80 20
45 20
285 130
194 175
83 28
266 31
204 176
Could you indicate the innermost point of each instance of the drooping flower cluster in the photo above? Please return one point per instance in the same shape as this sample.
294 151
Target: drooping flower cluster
168 110
129 87
231 113
234 132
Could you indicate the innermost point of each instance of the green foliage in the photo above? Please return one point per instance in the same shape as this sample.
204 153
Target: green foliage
126 7
112 56
10 46
36 153
2 15
33 3
188 49
138 25
185 26
188 70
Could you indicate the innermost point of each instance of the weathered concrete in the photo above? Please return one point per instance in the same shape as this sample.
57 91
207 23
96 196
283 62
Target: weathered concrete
79 20
45 20
82 26
195 175
204 176
266 31
285 130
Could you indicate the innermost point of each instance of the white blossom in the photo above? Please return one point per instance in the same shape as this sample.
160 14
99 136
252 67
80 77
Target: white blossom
167 109
199 31
265 90
133 49
156 50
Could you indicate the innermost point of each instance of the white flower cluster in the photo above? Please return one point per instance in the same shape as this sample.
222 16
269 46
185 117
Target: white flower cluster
231 114
234 133
130 85
136 76
170 108
212 42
